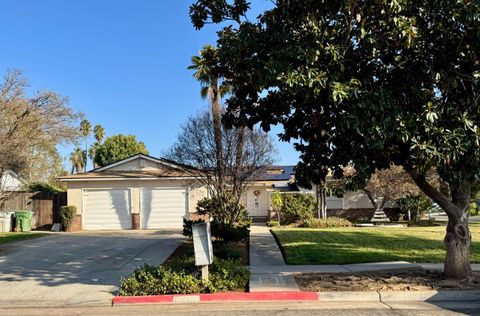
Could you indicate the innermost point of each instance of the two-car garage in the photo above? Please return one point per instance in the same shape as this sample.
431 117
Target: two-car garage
158 207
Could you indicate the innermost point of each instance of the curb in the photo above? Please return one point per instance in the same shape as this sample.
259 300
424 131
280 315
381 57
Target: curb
367 296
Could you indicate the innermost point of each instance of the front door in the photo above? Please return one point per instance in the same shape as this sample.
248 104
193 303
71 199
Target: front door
258 202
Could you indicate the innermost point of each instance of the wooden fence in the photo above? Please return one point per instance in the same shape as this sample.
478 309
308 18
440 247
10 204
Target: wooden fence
45 206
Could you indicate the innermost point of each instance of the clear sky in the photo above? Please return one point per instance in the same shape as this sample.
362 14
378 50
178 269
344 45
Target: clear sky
123 63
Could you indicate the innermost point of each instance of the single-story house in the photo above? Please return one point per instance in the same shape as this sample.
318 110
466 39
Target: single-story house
143 192
139 192
10 181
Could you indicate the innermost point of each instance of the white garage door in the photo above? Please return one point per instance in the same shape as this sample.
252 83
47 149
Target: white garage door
163 207
107 209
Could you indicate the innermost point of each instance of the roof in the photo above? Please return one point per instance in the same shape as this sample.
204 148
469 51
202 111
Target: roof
171 170
278 173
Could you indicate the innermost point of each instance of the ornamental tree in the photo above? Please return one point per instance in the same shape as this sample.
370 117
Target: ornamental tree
369 82
118 147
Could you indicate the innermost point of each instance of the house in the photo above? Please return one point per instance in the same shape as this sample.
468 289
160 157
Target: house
139 192
353 204
10 181
143 192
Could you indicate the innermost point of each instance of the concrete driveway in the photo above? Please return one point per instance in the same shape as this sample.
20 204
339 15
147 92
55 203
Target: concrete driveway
77 269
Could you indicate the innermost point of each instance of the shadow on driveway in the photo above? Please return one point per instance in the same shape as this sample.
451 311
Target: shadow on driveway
77 268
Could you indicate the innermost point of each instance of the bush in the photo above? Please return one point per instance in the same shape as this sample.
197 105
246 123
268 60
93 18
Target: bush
328 222
67 216
44 187
297 207
474 209
181 276
272 223
223 233
226 233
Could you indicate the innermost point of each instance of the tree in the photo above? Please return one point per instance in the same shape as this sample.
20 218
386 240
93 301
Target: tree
195 149
388 185
277 204
206 73
372 83
98 134
85 131
78 159
118 147
31 127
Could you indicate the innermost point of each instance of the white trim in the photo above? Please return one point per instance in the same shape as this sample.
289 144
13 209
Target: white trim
133 158
125 179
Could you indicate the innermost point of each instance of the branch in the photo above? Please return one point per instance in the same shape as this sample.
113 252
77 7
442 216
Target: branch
448 206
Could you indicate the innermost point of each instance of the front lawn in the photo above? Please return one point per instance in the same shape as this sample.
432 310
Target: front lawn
357 245
9 237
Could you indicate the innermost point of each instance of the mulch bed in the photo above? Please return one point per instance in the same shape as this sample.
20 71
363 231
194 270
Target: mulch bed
407 280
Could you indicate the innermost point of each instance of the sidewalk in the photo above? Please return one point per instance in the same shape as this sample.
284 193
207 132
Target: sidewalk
269 273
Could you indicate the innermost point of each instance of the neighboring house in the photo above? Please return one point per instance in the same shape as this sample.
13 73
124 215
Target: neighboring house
10 181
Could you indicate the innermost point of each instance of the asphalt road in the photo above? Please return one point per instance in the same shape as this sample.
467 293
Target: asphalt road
267 309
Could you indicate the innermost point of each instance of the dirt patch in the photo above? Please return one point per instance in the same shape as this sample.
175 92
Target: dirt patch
407 280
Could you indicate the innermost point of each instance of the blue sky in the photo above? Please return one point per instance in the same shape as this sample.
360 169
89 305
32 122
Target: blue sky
123 63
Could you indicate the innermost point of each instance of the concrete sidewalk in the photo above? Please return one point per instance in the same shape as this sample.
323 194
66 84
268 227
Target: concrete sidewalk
269 273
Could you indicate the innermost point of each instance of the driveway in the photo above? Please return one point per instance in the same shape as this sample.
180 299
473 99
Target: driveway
84 269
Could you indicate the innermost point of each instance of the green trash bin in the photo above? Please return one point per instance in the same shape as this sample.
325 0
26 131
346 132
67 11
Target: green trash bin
23 221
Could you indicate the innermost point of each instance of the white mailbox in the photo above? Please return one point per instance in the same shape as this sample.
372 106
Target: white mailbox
202 244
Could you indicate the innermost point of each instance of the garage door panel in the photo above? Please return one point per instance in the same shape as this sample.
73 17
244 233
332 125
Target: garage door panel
107 209
163 207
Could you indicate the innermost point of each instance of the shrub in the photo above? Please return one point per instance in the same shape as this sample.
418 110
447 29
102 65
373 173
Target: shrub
67 216
272 223
181 276
474 209
44 187
222 232
225 209
226 233
297 207
328 222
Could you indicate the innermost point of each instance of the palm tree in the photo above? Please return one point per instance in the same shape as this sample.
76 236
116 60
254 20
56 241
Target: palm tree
206 73
85 130
78 158
98 134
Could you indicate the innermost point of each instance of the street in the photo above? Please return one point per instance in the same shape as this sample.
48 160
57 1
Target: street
265 308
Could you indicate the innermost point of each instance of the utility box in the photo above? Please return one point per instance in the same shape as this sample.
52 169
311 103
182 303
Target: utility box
202 244
6 221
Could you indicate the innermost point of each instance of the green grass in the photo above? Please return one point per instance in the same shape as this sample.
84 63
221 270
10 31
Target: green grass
357 245
9 237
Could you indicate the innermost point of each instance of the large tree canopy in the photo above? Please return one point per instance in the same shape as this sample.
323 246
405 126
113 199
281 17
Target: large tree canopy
118 147
31 126
373 82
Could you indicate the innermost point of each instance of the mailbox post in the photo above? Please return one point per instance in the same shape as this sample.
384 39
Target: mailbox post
202 246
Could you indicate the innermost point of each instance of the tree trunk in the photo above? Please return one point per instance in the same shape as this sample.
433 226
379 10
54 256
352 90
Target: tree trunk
457 241
458 238
217 128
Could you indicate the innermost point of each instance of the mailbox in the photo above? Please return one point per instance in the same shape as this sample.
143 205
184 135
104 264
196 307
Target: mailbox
202 244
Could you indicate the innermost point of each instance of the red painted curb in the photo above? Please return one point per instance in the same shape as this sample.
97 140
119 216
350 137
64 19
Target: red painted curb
216 297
